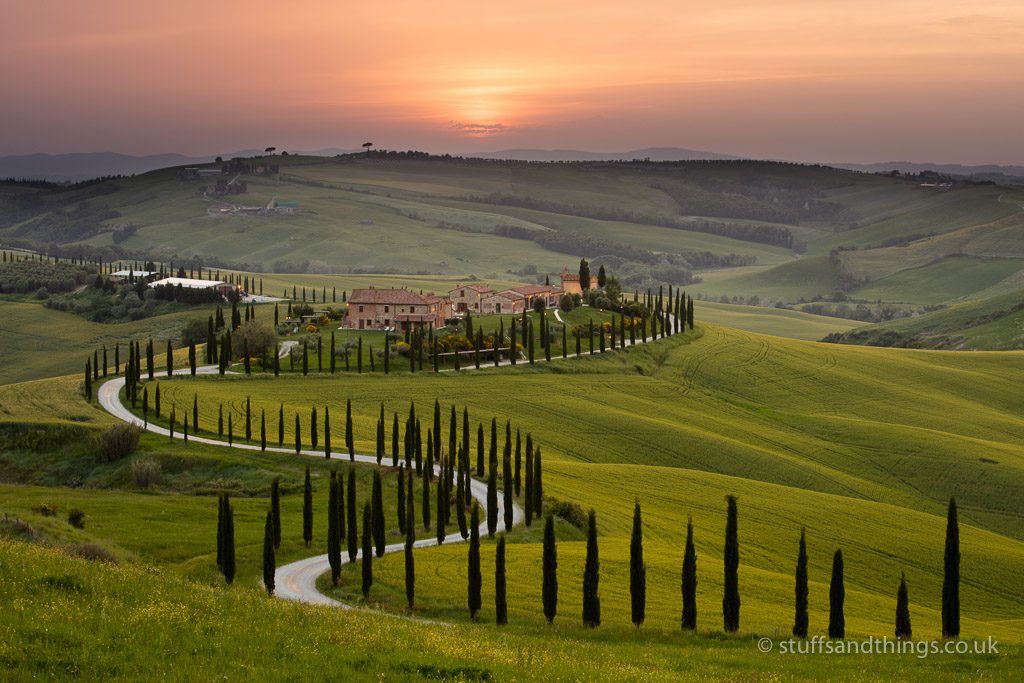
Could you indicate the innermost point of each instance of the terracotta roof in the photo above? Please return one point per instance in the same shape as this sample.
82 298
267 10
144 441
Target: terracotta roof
476 288
386 296
532 290
510 294
570 276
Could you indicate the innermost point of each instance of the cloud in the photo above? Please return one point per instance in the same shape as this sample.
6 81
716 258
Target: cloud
482 129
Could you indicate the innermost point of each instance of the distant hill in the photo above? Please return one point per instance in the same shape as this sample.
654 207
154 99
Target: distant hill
998 174
651 153
73 167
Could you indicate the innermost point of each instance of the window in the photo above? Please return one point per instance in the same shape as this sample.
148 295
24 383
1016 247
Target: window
360 309
387 322
386 308
462 293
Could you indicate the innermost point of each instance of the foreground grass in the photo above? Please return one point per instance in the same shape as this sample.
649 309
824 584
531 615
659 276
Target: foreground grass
68 618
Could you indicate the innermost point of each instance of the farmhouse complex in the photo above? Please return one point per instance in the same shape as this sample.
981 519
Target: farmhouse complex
401 309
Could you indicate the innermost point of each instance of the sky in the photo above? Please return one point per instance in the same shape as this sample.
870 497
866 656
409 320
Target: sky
809 80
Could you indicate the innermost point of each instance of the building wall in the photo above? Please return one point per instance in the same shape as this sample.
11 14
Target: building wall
467 299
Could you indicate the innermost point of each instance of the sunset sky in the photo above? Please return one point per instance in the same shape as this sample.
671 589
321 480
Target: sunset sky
821 80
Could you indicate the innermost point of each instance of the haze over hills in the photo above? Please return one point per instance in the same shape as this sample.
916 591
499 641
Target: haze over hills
77 166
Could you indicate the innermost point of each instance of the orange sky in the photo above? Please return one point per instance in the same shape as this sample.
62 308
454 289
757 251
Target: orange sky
812 80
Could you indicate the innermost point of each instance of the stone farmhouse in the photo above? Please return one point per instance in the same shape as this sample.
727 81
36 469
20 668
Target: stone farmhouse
393 308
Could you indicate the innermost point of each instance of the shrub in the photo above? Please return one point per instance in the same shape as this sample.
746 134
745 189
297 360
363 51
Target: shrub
118 441
91 551
76 518
146 473
570 512
47 510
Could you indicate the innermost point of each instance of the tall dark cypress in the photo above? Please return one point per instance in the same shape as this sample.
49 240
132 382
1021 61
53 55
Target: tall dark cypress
492 504
314 431
731 595
263 429
394 442
380 434
280 426
327 432
460 498
195 413
401 499
528 484
591 576
248 419
689 581
480 450
350 502
500 593
377 499
350 439
269 558
475 578
437 429
275 508
442 506
800 619
307 509
228 554
425 496
637 570
951 575
506 489
170 359
367 552
221 526
836 598
517 476
298 435
410 541
537 490
903 628
550 588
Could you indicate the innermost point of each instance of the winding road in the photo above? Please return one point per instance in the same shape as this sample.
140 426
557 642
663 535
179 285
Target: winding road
297 581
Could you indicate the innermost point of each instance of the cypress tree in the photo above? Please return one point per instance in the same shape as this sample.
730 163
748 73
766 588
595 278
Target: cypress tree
401 499
480 450
528 486
442 506
394 442
248 419
305 357
184 432
145 406
221 524
800 619
88 381
275 508
377 499
637 570
460 503
453 429
195 412
170 359
437 429
591 576
951 575
550 587
731 595
380 434
277 361
409 524
170 425
228 554
220 413
425 494
150 361
192 358
269 559
538 486
298 435
689 581
231 428
836 598
350 441
903 628
280 426
500 596
327 432
506 489
307 509
517 476
351 535
512 351
465 433
367 553
475 578
492 504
